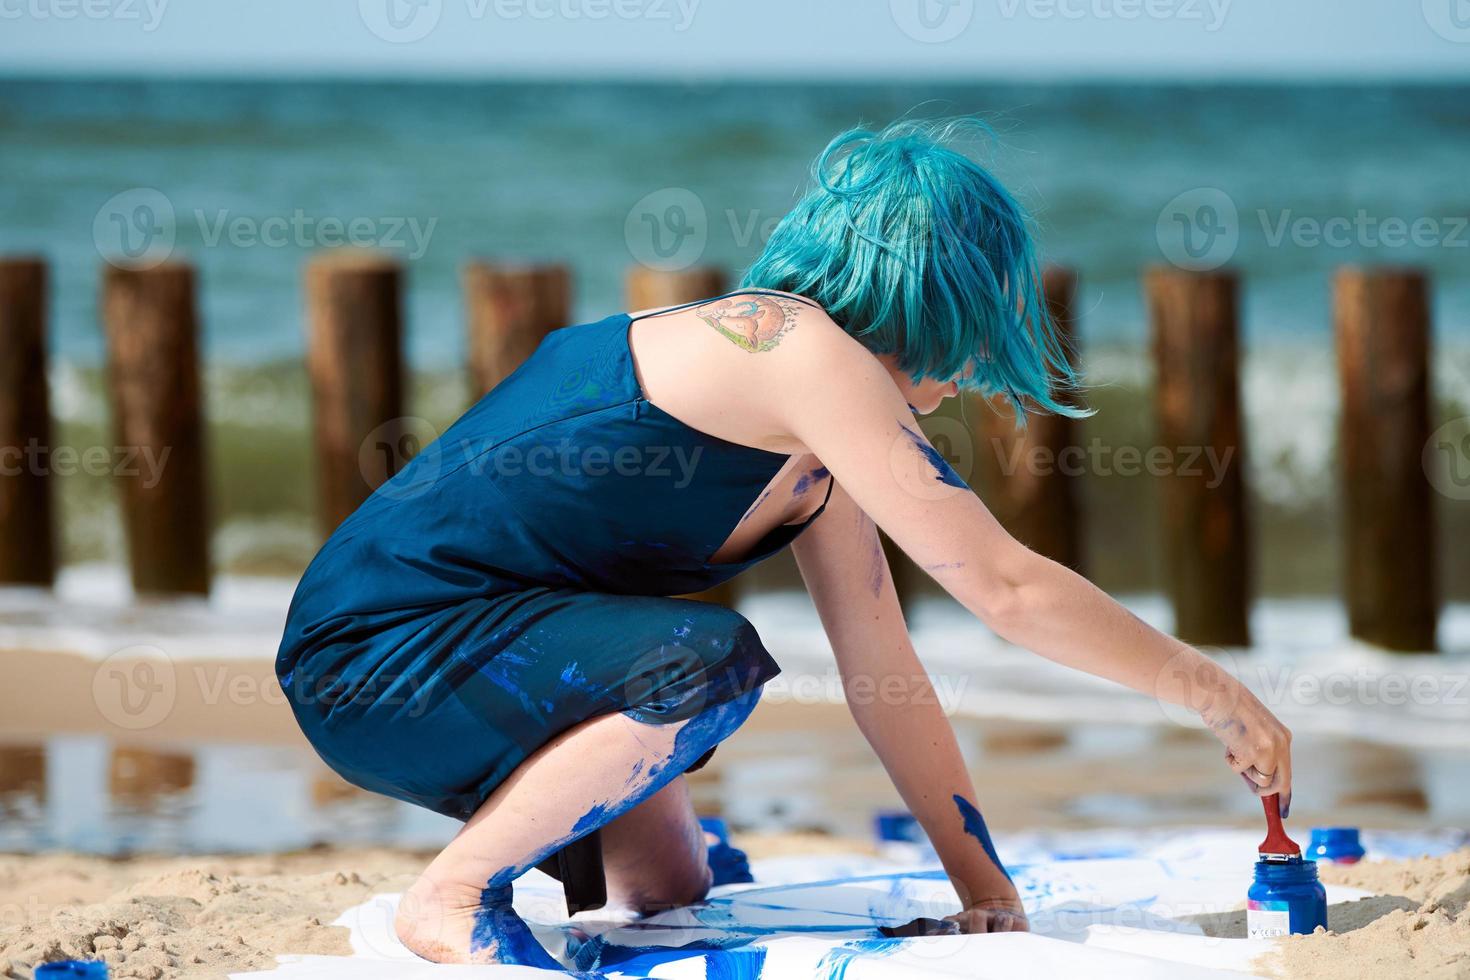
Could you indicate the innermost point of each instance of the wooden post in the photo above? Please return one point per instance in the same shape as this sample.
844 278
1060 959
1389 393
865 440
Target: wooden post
510 309
27 529
153 372
648 288
355 360
1033 479
1381 319
1203 496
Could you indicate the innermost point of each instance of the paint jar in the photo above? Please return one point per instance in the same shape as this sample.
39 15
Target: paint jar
1336 844
716 826
1286 897
897 826
72 970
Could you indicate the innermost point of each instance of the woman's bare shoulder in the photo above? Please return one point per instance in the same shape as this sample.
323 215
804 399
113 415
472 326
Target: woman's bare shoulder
753 347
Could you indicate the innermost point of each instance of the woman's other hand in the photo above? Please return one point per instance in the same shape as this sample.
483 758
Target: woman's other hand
992 915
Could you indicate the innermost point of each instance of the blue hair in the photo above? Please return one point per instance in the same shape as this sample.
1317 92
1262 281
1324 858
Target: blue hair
917 250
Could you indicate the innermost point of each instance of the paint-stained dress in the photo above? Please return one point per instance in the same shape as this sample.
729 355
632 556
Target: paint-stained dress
517 577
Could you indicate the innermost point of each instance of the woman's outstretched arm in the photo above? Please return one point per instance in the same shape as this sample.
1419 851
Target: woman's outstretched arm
834 397
897 709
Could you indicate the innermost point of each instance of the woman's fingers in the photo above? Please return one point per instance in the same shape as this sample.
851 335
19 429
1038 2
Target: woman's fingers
1265 773
974 921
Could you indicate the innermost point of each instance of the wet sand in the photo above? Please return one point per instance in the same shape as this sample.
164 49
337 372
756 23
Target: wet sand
1029 775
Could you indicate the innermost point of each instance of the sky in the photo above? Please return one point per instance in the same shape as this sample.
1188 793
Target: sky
748 39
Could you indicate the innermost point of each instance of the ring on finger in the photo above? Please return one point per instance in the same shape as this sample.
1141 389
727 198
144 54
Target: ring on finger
1264 776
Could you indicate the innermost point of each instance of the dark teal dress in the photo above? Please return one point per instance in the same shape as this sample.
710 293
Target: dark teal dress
517 577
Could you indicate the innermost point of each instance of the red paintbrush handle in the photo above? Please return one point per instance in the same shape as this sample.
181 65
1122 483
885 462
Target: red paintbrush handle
1276 841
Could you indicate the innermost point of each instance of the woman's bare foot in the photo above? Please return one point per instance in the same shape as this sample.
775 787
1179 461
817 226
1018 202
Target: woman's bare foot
445 928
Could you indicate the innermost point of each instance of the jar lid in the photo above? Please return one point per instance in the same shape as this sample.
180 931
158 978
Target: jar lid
72 970
1335 835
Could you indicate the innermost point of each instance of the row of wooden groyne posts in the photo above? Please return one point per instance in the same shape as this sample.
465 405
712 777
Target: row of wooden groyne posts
356 368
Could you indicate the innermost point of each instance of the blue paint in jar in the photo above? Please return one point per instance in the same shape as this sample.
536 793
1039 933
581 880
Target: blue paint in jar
1285 897
1340 845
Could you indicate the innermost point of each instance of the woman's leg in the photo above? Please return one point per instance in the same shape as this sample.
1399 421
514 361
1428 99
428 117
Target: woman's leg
459 910
656 856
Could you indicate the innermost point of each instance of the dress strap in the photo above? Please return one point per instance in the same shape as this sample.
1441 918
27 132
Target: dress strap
737 292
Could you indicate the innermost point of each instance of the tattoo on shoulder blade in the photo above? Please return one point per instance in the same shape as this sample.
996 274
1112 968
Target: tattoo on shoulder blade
753 323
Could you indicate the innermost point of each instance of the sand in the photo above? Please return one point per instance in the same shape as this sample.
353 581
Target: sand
155 917
1419 926
195 917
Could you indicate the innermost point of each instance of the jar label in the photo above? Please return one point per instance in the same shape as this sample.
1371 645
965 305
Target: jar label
1267 920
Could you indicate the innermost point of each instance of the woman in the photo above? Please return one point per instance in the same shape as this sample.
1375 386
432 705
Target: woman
496 635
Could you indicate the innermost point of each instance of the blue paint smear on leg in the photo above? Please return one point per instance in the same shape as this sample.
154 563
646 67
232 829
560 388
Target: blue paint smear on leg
975 827
497 927
944 472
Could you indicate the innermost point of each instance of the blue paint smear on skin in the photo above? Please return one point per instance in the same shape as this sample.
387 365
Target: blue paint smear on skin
975 827
497 927
496 924
809 480
946 473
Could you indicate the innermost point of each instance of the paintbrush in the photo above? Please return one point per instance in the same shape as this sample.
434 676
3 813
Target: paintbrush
1277 846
